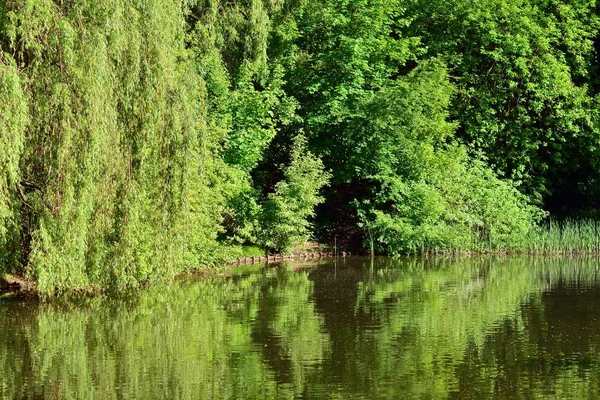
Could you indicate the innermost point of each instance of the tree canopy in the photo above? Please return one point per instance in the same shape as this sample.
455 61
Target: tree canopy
142 139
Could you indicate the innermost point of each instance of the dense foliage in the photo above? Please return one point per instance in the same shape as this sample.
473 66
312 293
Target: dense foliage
526 74
142 139
376 108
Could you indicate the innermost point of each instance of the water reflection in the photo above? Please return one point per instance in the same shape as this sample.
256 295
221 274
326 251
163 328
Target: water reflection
477 328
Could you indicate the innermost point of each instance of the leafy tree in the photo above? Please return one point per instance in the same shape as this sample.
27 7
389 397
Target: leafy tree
377 111
523 71
245 101
284 215
114 179
337 57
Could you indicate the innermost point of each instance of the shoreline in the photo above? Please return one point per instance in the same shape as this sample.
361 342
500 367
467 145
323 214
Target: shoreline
311 255
12 286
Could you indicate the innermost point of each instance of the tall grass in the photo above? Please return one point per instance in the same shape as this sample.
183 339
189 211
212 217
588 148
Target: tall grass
553 237
569 236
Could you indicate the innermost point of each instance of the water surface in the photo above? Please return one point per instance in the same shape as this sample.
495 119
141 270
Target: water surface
481 328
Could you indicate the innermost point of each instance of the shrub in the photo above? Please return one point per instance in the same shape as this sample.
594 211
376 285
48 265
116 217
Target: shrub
456 205
284 218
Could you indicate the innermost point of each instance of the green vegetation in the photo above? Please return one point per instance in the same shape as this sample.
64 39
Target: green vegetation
566 237
140 139
526 74
283 221
251 251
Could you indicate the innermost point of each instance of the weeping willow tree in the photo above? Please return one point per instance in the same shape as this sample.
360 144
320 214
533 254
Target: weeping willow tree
129 131
100 112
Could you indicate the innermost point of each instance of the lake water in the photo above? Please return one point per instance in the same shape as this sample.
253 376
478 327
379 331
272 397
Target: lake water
504 328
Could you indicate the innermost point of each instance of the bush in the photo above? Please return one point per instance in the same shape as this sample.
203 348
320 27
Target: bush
457 205
284 218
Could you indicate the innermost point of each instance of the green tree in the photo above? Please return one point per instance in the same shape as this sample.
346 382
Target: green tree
524 74
377 110
114 179
285 212
244 104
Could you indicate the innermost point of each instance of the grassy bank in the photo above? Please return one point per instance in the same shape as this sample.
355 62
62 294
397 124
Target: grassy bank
552 237
568 236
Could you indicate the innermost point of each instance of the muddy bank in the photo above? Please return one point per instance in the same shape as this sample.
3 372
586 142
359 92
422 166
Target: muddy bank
275 258
14 285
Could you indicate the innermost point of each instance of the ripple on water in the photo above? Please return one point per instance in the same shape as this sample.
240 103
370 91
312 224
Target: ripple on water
468 329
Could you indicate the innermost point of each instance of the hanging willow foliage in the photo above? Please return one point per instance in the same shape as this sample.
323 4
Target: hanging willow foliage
129 131
13 120
114 181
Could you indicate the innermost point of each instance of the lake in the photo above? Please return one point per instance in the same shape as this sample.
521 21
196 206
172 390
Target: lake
352 328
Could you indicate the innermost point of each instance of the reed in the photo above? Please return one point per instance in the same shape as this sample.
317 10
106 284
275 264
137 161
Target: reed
553 237
569 236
